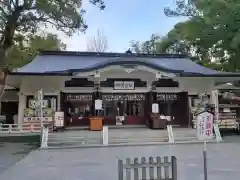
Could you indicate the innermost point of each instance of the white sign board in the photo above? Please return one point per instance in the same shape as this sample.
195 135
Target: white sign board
34 104
59 119
205 126
98 104
155 108
44 142
124 85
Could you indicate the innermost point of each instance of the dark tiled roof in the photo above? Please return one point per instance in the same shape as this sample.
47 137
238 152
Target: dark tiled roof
50 62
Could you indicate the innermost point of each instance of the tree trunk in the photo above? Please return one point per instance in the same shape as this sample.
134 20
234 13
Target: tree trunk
2 58
3 72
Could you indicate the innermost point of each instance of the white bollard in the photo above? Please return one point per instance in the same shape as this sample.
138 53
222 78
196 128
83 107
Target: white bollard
170 134
44 139
105 135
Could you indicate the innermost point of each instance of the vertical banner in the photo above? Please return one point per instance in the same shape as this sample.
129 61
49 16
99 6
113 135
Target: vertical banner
205 126
214 99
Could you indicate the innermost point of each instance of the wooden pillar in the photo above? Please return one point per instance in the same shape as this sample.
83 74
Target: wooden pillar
63 108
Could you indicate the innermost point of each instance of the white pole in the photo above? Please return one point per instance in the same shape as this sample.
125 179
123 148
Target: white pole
41 114
40 98
105 135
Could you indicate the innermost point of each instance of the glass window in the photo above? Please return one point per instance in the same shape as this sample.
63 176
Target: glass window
80 109
134 108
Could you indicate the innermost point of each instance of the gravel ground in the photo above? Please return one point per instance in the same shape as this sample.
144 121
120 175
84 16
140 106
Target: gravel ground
101 163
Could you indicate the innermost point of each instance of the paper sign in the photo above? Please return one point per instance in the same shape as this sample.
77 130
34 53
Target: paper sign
98 104
155 108
59 119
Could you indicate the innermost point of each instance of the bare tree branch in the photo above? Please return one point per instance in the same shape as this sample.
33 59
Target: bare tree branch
98 43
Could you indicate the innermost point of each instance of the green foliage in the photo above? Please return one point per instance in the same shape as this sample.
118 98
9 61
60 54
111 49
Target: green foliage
147 47
25 49
212 32
27 16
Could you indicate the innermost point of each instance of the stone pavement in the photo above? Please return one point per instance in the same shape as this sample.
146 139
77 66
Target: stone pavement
101 163
10 153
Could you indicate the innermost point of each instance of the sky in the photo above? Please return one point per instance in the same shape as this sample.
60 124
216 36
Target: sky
123 21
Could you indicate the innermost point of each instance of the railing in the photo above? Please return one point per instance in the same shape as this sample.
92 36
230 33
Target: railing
24 128
157 168
16 128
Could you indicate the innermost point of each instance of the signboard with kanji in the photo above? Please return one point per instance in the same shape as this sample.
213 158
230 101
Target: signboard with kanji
205 126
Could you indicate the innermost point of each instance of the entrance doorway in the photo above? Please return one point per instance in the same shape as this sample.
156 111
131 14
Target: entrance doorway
9 109
129 106
175 106
77 109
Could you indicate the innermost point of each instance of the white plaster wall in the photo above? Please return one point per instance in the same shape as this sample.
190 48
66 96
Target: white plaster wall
53 85
144 75
49 84
196 85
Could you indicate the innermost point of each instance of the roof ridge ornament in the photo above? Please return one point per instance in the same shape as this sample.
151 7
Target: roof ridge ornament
129 70
128 51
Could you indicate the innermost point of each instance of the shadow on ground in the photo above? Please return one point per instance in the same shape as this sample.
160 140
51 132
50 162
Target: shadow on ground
14 149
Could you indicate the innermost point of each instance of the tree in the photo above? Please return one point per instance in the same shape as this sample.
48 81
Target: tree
25 50
217 31
183 8
27 16
147 47
98 43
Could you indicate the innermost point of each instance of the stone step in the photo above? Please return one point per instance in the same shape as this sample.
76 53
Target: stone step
120 141
119 136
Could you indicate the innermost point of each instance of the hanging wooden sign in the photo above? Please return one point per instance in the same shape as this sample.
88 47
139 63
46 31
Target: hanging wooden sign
167 97
124 85
128 97
78 97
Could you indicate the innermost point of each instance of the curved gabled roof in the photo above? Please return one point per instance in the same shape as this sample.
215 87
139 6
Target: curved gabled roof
65 63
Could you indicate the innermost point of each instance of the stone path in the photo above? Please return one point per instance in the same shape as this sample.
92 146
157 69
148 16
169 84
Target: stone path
101 163
10 153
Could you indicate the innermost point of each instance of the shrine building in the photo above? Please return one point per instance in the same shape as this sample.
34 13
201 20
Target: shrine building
127 83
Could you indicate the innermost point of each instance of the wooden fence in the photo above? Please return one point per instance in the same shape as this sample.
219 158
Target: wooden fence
148 169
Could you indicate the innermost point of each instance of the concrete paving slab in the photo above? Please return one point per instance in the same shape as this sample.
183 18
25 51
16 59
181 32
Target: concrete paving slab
101 163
